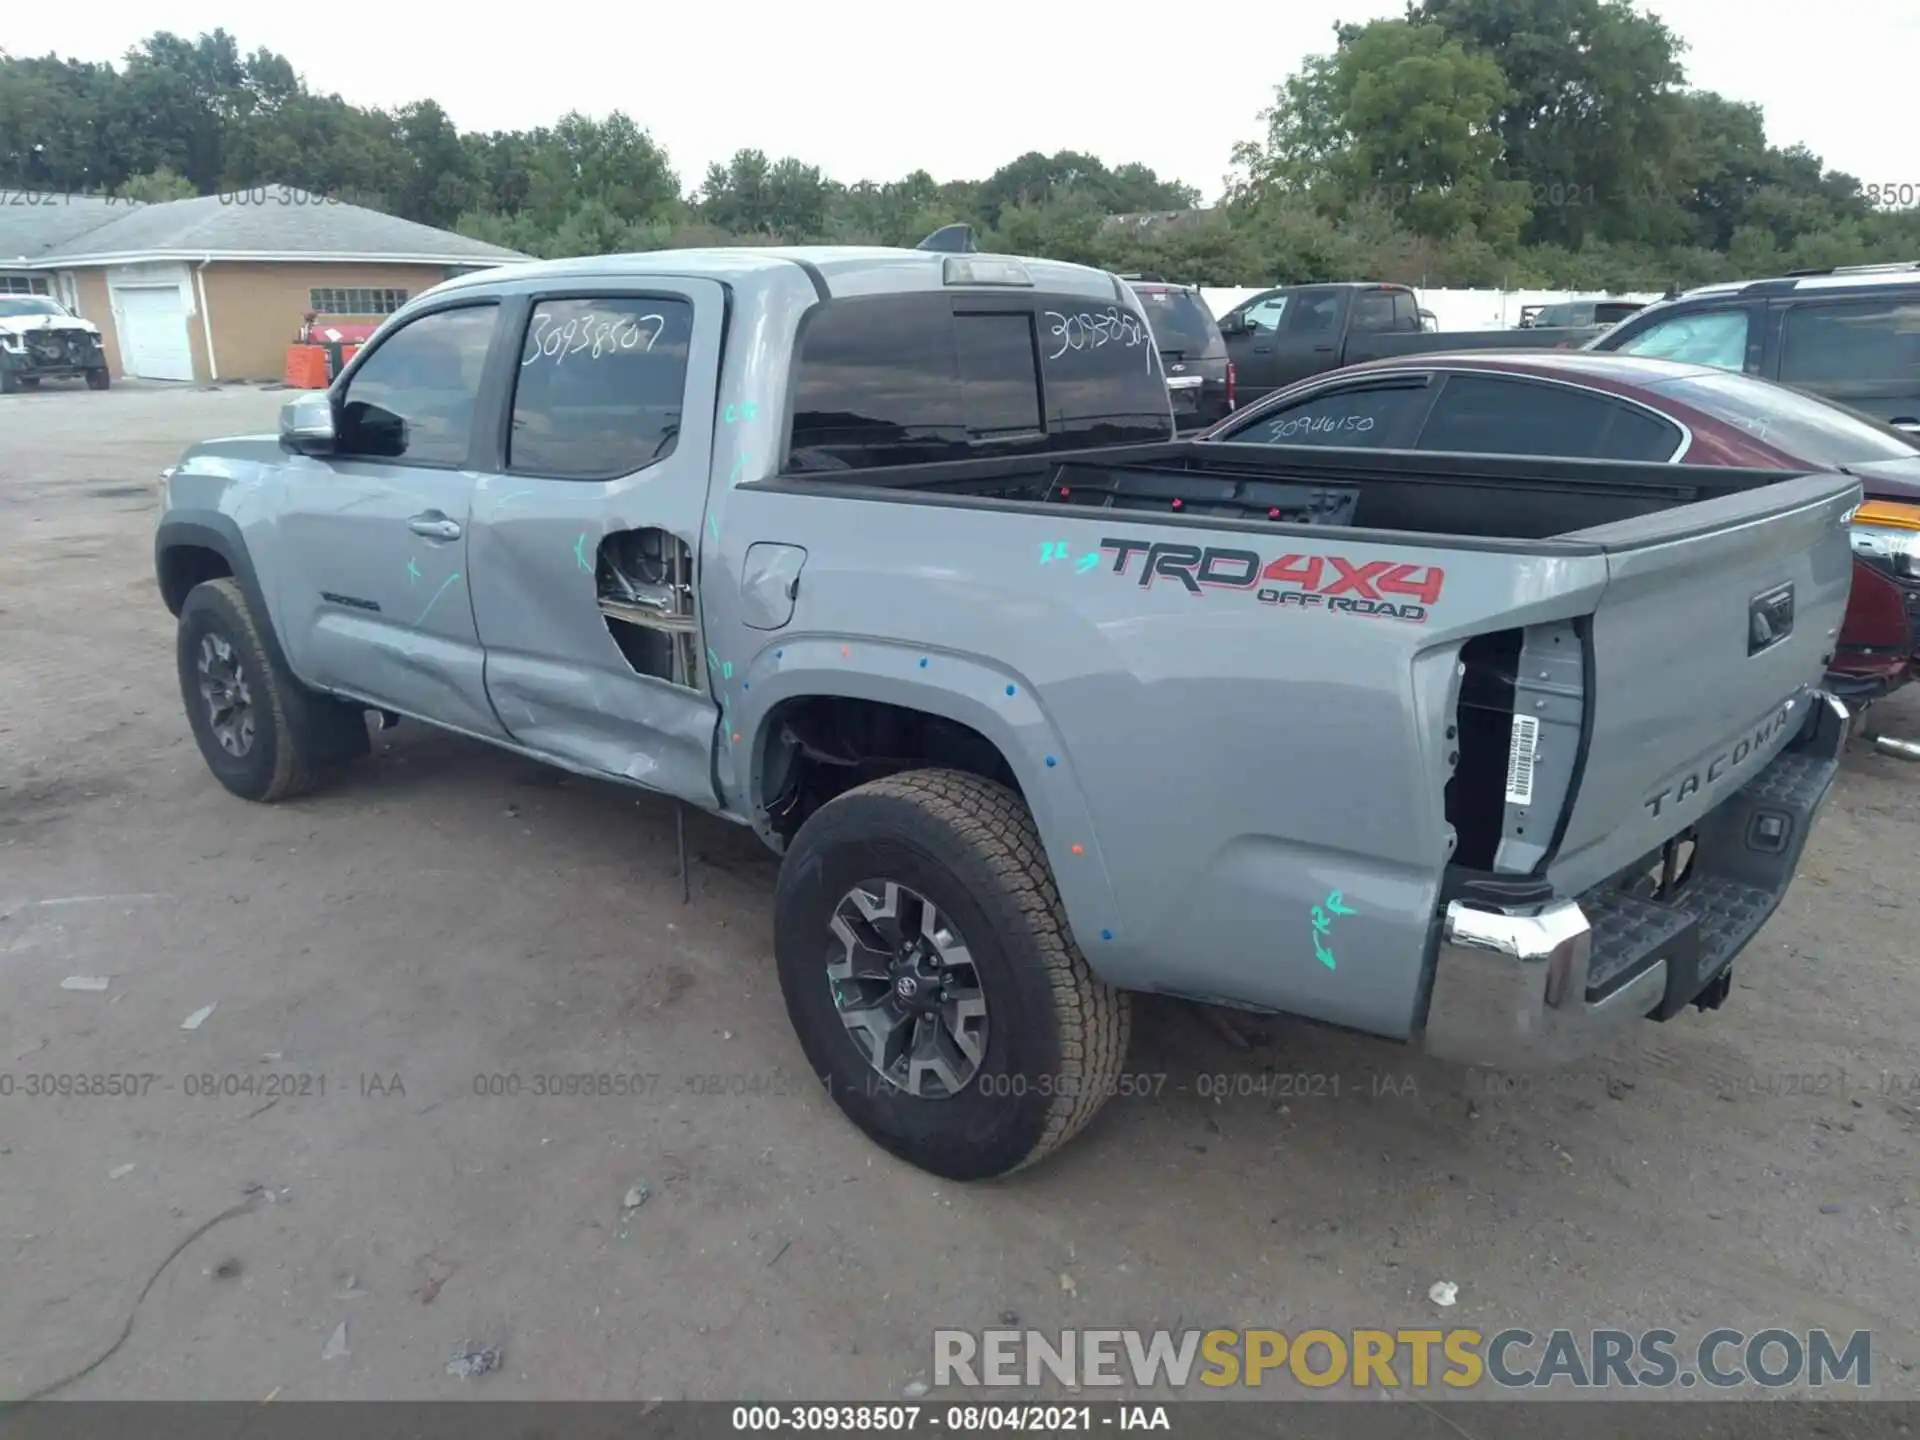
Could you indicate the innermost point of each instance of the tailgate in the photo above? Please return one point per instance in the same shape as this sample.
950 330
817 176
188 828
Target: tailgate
1717 620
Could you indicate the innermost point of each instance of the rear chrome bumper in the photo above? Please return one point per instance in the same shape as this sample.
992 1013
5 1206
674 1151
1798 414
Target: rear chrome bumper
1544 987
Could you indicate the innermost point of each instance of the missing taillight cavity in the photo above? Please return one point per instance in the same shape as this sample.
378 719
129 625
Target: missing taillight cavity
1476 796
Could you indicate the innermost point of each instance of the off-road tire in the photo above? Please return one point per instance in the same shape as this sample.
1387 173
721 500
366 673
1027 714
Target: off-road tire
296 732
98 379
29 382
9 382
1057 1036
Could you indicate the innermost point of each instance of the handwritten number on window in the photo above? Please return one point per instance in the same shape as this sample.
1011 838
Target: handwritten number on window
591 335
1083 332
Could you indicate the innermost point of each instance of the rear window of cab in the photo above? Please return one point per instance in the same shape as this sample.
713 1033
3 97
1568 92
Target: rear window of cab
952 375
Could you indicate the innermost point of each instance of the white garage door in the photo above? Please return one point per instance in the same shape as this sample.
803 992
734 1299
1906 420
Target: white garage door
153 332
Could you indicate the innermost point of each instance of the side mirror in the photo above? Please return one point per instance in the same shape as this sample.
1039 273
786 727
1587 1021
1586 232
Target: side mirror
306 424
1911 426
1234 325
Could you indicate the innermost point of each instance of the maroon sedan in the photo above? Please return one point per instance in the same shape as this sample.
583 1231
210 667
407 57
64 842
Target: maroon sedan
1577 404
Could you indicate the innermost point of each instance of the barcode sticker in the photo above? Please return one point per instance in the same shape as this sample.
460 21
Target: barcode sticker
1526 739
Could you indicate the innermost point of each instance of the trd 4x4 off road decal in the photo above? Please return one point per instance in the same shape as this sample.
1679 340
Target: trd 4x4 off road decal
1385 588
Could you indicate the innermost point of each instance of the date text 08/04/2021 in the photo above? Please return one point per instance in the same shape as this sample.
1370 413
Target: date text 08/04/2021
950 1419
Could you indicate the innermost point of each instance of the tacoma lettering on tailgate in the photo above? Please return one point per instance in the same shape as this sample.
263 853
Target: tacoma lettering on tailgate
1726 760
1386 588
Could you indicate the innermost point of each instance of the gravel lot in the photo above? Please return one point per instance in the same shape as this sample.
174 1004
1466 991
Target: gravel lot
446 912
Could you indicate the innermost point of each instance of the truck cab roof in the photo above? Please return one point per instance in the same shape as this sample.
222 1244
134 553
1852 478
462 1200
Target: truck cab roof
837 271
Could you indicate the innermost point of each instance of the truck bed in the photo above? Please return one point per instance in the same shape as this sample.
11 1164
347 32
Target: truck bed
1393 675
1278 487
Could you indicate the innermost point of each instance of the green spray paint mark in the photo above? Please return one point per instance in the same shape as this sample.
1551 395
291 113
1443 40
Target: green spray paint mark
1086 562
713 660
413 571
713 524
580 552
726 669
1323 924
436 597
1053 550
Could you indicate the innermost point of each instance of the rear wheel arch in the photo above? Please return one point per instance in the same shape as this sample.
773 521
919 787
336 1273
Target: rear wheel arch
963 720
816 744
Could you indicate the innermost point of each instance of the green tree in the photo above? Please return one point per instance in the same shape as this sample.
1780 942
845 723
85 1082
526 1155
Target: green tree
752 195
1592 116
1399 113
160 186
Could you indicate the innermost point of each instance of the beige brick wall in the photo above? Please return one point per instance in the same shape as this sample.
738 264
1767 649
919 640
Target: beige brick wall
91 287
256 309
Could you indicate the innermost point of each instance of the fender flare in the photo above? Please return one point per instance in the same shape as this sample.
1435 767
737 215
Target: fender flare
211 530
980 694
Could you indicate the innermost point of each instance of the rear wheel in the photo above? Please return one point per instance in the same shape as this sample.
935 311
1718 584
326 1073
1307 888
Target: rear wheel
98 379
29 382
9 382
263 734
931 978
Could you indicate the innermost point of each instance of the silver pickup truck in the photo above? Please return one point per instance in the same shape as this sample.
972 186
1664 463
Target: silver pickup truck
893 556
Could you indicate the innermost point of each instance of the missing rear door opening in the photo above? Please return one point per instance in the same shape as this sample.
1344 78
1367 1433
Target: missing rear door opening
645 584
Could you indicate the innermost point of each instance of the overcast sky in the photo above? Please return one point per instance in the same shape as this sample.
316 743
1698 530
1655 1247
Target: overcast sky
871 90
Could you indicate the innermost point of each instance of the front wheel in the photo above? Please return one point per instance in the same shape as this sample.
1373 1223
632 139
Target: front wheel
98 379
931 978
263 734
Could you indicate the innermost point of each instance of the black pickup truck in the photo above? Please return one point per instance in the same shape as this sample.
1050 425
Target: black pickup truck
1283 335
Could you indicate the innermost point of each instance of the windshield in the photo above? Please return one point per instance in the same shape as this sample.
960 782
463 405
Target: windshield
13 307
1181 323
1816 431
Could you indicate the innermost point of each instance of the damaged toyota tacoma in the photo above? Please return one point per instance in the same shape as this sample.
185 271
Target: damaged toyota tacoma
894 557
40 339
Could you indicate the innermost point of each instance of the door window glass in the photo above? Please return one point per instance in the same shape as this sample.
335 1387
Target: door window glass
1495 415
1853 352
1373 311
1372 415
1266 314
413 397
600 385
1316 313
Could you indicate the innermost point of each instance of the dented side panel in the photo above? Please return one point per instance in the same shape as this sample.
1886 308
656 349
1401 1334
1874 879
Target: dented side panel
544 553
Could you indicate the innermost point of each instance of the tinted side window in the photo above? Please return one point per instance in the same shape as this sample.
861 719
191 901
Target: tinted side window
1488 415
1858 351
904 379
1713 337
877 383
1372 312
600 384
1406 315
1370 416
413 397
1315 312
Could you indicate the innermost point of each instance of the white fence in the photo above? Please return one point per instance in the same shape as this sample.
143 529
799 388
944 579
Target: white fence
1456 309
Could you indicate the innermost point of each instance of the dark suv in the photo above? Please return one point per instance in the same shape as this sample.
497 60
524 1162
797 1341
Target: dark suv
1850 335
1192 351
